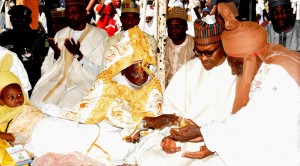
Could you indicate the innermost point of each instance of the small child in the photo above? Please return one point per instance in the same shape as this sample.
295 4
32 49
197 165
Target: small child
21 116
12 105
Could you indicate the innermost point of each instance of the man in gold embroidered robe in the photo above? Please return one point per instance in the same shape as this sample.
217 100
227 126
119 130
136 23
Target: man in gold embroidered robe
111 112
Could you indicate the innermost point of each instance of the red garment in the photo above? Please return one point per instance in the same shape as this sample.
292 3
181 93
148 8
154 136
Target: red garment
106 20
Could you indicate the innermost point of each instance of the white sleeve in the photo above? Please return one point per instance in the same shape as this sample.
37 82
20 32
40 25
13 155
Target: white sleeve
48 62
89 66
174 98
266 123
19 70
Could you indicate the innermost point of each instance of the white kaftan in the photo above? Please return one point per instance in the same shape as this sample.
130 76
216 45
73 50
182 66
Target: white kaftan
113 104
196 94
53 87
265 131
177 55
17 68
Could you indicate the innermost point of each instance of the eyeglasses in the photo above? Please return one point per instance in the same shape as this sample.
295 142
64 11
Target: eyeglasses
206 53
175 27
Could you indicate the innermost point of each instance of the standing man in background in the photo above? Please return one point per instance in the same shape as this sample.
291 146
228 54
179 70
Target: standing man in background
33 5
284 29
179 47
30 45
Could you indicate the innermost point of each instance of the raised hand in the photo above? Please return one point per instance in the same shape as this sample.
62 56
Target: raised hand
73 48
55 47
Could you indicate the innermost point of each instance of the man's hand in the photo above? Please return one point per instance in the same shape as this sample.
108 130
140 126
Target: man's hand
204 152
186 133
55 48
135 138
169 145
73 48
161 121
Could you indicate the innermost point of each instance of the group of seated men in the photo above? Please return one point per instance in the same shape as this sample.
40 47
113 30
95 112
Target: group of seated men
235 103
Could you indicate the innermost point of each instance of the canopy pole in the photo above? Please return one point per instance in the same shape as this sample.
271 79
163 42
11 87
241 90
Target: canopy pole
161 39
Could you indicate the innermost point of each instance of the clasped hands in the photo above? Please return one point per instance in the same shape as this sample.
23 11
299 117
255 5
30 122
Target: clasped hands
71 46
188 133
158 122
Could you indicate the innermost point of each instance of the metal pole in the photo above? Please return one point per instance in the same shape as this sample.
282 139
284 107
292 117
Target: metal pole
161 39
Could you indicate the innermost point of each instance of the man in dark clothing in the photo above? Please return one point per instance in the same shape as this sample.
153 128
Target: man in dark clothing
30 45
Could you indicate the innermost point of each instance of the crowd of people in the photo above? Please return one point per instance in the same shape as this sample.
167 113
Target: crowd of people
92 95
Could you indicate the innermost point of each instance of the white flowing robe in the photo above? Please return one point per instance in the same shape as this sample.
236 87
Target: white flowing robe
177 55
62 136
81 75
114 105
17 68
196 94
265 131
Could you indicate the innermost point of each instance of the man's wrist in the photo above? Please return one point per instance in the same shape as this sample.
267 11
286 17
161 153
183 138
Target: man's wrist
78 56
144 123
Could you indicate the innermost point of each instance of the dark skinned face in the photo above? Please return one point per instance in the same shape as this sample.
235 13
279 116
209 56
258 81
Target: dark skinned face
129 20
177 30
236 64
135 74
12 96
281 17
149 19
76 16
210 55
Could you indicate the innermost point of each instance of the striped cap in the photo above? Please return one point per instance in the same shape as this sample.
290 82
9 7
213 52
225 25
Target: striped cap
208 33
273 3
130 6
177 12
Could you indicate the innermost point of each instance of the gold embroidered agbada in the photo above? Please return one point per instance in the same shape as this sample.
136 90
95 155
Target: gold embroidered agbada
113 103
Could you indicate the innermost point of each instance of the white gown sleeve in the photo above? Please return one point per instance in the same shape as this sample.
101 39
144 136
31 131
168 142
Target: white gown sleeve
19 70
90 66
263 131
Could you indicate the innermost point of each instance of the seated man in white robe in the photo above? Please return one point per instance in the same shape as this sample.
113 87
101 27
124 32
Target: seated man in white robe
73 62
266 130
203 89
